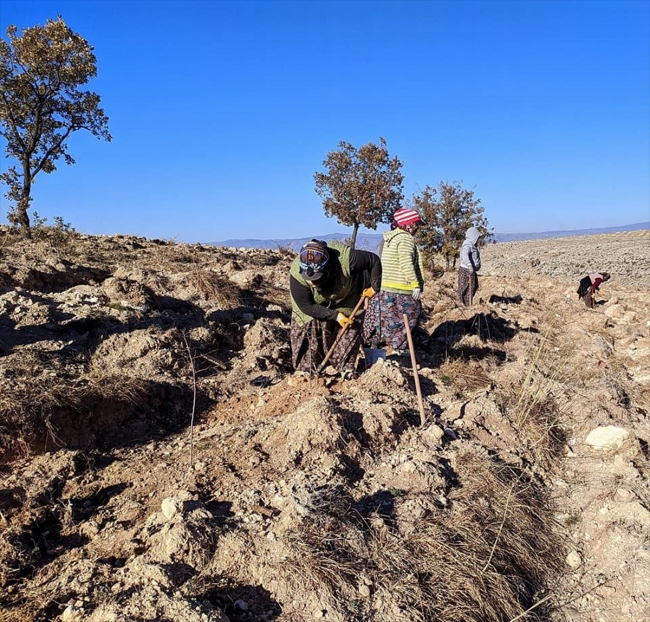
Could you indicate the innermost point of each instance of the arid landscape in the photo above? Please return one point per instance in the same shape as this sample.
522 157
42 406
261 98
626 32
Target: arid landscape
162 462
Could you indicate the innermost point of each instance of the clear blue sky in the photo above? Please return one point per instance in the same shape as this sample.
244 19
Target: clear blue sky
221 111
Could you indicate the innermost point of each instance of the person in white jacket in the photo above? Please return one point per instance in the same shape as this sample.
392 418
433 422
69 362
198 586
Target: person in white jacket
470 264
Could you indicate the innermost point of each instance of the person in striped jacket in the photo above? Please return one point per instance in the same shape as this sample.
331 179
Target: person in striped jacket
401 285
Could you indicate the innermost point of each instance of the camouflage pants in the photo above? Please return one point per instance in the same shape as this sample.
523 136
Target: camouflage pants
310 343
467 285
384 321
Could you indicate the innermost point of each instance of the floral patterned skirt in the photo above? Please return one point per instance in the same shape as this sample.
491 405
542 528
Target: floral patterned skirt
467 285
384 321
311 342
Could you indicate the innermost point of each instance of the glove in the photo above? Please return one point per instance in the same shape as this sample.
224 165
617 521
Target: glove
417 293
368 292
343 320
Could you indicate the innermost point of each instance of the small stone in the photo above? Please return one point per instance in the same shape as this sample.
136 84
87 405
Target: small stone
573 560
435 432
624 494
241 604
607 438
171 506
451 434
72 614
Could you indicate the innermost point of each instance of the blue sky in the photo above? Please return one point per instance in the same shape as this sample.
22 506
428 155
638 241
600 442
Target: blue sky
221 111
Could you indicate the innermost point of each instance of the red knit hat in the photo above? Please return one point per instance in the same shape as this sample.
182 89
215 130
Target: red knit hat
404 217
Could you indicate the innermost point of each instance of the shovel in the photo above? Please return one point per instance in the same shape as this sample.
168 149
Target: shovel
321 367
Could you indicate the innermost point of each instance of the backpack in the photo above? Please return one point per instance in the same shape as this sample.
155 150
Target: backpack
585 286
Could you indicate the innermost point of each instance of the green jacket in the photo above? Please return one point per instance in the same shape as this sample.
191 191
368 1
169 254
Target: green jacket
401 263
343 294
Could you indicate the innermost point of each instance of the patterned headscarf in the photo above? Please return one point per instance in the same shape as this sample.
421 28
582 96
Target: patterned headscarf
314 258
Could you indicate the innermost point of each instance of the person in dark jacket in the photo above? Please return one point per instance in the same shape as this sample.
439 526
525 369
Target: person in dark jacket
589 285
327 280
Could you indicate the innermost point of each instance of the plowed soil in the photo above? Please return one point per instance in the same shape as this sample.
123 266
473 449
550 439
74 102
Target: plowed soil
161 460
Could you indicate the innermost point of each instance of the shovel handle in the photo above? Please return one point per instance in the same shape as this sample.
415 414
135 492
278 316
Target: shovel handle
321 367
414 365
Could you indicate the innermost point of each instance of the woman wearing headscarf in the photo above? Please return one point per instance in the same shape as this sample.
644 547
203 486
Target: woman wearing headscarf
589 286
327 280
470 264
401 284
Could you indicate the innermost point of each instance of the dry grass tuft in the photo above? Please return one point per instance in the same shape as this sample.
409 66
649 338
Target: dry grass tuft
532 406
466 377
41 404
485 559
216 288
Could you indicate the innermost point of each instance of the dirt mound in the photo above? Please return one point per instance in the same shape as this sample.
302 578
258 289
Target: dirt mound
161 460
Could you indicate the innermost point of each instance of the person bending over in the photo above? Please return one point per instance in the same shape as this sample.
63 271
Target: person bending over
327 280
589 286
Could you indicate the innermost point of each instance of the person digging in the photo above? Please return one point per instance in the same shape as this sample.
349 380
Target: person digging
327 281
589 285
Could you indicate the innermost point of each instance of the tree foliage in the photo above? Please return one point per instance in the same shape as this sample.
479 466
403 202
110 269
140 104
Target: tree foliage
41 104
361 186
448 211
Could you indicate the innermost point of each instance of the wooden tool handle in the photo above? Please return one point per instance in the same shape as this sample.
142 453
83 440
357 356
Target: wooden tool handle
321 367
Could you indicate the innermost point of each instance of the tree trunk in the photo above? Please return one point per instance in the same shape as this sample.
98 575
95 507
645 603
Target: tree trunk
23 217
23 204
353 239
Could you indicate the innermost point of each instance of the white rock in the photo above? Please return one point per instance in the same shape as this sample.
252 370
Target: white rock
171 506
607 437
573 560
435 432
72 614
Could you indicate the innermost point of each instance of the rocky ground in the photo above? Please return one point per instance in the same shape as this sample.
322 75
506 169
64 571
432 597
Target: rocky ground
160 460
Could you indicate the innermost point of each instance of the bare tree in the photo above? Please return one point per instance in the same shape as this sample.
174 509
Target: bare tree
448 211
361 186
41 104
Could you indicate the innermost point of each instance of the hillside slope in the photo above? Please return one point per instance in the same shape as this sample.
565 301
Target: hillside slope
162 462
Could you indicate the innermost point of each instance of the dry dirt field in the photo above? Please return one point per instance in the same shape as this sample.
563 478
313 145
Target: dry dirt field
161 462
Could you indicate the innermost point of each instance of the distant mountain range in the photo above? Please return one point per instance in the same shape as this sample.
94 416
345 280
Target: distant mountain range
370 241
